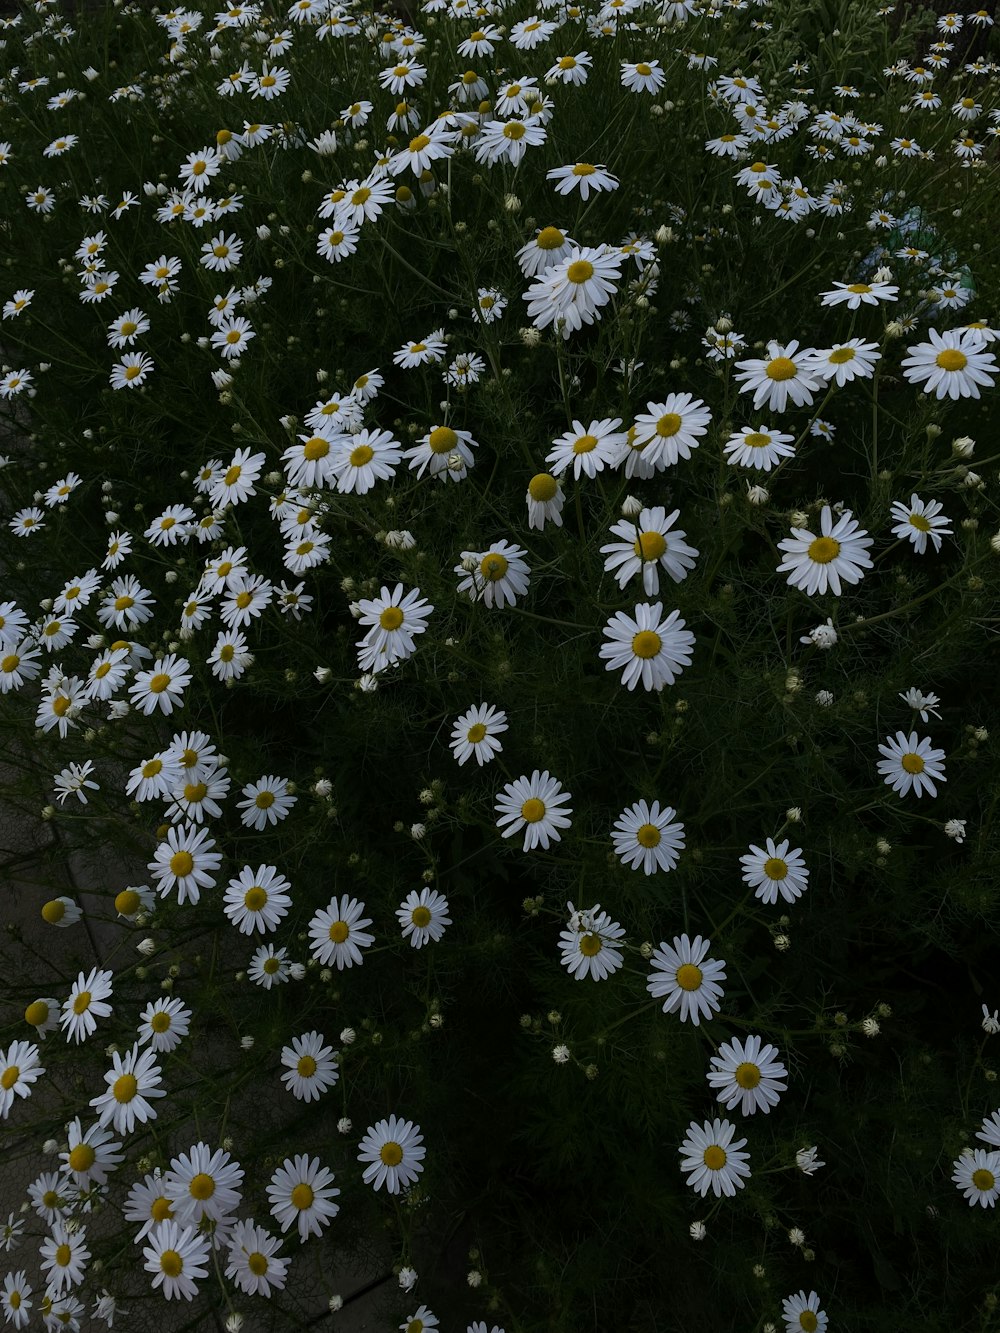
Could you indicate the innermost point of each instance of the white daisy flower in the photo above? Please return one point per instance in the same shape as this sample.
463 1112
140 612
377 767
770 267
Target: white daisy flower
162 686
393 1152
475 732
64 1257
644 838
266 801
648 545
952 365
536 805
911 763
760 447
847 361
310 1067
855 294
669 430
818 564
269 966
443 453
203 1184
747 1074
257 900
499 576
176 1256
924 704
589 945
919 521
19 1068
337 933
302 1194
86 1003
545 500
646 647
253 1262
784 373
423 916
587 449
571 292
548 247
803 1314
360 460
90 1155
686 980
773 870
185 862
712 1160
132 1081
163 1023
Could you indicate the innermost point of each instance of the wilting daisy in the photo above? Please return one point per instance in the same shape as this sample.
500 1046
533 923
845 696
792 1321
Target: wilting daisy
86 1003
257 899
648 545
545 500
310 1067
535 805
911 763
803 1314
43 1015
646 647
760 448
589 944
784 373
644 838
423 916
919 521
19 1068
337 933
474 734
747 1075
686 980
775 869
670 430
497 576
818 564
132 1081
176 1256
712 1160
203 1184
952 365
302 1194
253 1262
393 1152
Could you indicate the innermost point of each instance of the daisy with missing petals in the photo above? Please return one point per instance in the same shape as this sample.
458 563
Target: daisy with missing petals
253 1260
176 1256
847 361
86 1003
310 1067
924 704
818 564
712 1160
266 801
545 500
394 1154
423 916
582 176
911 764
132 1080
648 546
302 1194
686 980
669 430
773 870
647 648
535 805
475 734
784 373
918 521
443 453
19 1068
644 838
589 944
587 449
759 448
860 293
498 576
337 933
747 1075
570 293
952 365
803 1314
257 900
185 861
977 1175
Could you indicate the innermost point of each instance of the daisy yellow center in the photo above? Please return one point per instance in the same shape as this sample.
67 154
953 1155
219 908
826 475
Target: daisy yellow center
54 911
493 566
781 368
271 966
418 144
232 475
951 359
51 1199
36 1013
14 1300
648 835
233 336
160 1022
669 424
53 629
123 603
583 169
688 976
195 791
823 550
181 864
243 600
125 1088
714 1157
257 1263
756 439
920 523
549 238
442 440
102 670
132 372
223 137
363 454
567 62
171 1263
315 448
159 682
533 810
226 654
542 487
514 129
391 1153
202 1186
64 1254
585 444
151 769
775 868
339 932
840 355
580 271
646 644
476 733
264 800
306 1066
268 81
643 69
391 618
128 328
302 1196
82 1002
127 902
254 899
421 916
60 706
747 1075
650 546
82 1157
912 763
9 1077
415 1326
808 1321
10 663
983 1179
590 945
